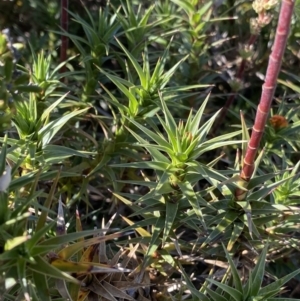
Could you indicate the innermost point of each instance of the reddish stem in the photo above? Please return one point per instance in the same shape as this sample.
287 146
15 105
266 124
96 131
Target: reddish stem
64 39
268 88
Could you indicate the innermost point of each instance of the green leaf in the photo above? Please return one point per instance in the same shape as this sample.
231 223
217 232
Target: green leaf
159 68
12 221
215 296
245 135
72 249
278 284
259 180
15 241
127 202
192 124
63 239
133 102
168 75
136 65
171 213
38 235
29 89
155 239
185 5
53 153
226 222
234 272
174 141
144 165
157 138
21 265
73 290
47 205
236 233
146 222
155 153
44 268
170 122
258 272
235 294
190 285
266 189
48 132
205 9
47 111
41 284
28 178
194 199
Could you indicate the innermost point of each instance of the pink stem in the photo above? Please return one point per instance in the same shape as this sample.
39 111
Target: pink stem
269 87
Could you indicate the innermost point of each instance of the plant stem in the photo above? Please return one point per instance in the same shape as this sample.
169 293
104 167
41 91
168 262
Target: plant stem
268 87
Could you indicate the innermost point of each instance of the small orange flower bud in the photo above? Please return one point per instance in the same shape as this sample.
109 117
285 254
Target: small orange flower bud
278 122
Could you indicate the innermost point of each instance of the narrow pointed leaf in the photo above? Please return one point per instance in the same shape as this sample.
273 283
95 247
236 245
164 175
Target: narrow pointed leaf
43 267
234 293
226 222
135 64
278 283
21 265
116 292
40 282
155 239
190 285
171 213
72 249
158 139
235 275
193 125
245 135
48 110
214 295
258 273
237 231
85 267
170 122
140 230
194 199
49 131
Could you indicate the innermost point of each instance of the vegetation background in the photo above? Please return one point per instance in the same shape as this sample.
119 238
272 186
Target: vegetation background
121 172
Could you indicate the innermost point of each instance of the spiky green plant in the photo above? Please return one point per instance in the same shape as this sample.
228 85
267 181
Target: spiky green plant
233 287
95 47
172 201
14 82
133 145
